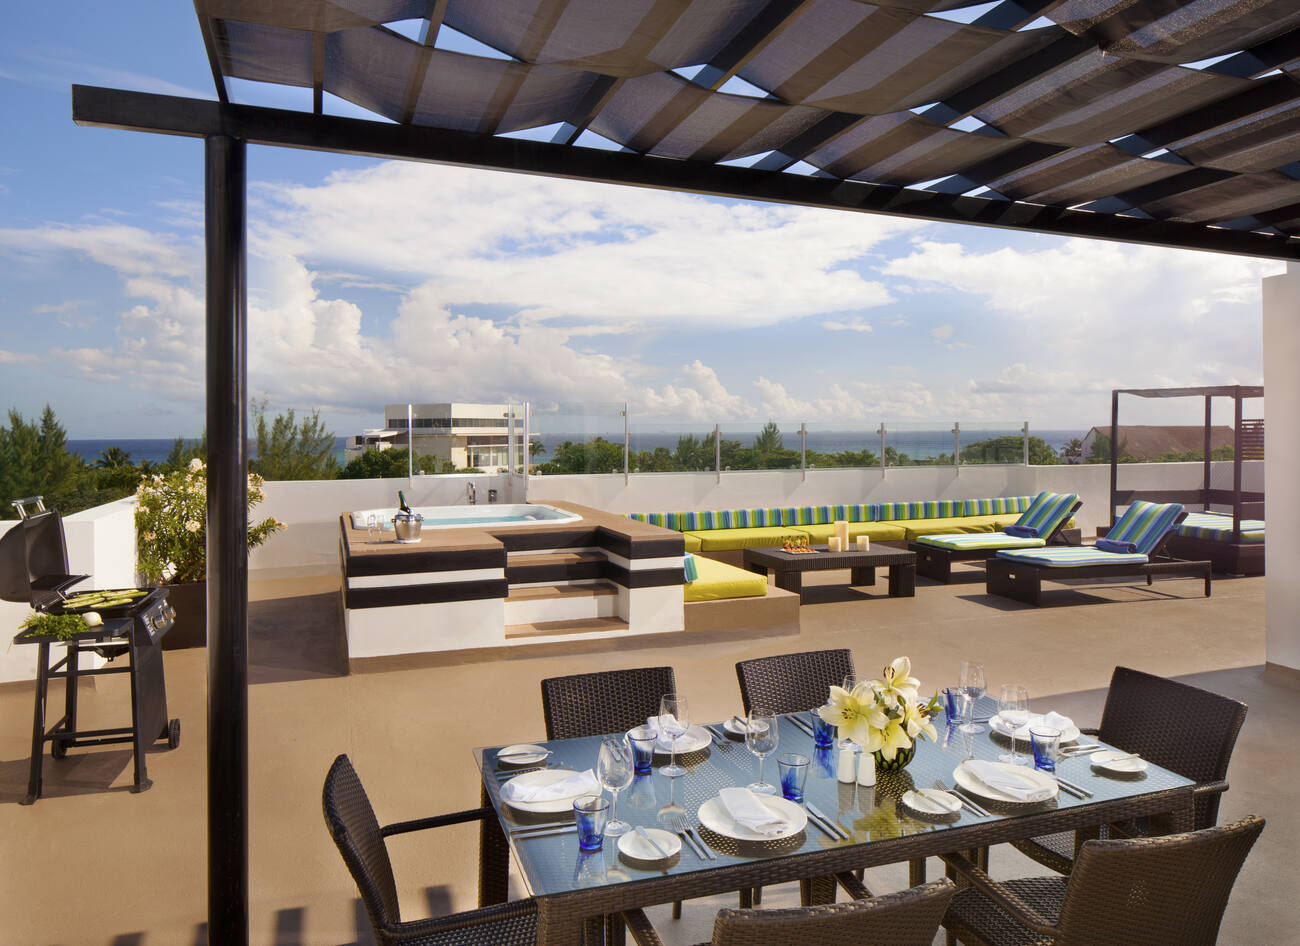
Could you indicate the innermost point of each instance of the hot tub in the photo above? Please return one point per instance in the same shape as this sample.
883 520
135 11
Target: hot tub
472 517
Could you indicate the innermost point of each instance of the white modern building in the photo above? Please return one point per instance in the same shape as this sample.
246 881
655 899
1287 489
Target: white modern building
467 435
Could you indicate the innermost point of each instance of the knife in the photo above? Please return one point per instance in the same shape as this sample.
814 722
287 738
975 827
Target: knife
1073 789
741 724
802 724
690 833
523 752
641 833
834 825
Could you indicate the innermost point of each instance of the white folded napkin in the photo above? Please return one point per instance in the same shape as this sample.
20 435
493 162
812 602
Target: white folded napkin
665 740
1051 720
748 809
579 783
1017 786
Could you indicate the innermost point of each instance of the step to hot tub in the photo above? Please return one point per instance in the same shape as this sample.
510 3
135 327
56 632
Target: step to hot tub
515 632
564 601
555 566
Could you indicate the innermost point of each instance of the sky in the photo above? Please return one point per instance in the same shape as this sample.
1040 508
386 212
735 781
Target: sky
383 282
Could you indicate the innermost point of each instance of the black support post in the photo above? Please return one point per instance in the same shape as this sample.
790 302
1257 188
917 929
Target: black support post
227 400
1114 452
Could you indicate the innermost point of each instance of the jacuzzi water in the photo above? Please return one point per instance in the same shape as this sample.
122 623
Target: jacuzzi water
468 517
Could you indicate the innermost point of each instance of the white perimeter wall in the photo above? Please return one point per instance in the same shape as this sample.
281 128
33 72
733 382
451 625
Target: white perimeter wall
1282 394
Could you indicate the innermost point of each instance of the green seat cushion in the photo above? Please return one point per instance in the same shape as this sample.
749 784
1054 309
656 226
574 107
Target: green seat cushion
876 531
721 540
980 540
920 527
692 541
718 580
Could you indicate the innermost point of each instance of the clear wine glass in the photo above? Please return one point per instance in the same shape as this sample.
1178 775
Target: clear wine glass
372 527
1013 708
674 719
971 683
761 738
614 772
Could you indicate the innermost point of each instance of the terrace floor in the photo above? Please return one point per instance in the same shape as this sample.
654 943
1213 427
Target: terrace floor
92 864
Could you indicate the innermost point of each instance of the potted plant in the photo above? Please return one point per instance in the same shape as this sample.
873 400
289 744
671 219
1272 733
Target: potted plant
171 543
885 717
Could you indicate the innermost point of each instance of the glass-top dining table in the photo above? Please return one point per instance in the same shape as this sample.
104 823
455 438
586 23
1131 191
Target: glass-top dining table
574 889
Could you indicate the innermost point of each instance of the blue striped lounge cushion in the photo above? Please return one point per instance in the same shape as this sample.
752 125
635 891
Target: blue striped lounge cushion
690 569
1068 556
1145 524
1217 527
1047 511
980 540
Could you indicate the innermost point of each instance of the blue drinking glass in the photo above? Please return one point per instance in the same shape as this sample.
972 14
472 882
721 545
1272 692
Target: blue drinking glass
823 732
1046 743
642 740
794 771
591 812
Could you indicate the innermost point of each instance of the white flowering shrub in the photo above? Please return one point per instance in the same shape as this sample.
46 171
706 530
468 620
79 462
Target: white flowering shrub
171 524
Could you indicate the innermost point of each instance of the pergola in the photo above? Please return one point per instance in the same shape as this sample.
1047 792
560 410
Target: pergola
1162 122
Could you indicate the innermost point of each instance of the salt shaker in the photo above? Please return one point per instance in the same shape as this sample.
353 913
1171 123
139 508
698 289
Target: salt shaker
867 768
846 764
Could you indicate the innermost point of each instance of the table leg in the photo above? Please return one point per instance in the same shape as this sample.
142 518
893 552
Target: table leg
556 926
902 581
916 872
493 858
814 890
790 581
38 724
1175 822
757 569
863 575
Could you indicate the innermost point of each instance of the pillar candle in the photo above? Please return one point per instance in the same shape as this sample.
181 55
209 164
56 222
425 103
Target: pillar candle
864 543
833 543
842 533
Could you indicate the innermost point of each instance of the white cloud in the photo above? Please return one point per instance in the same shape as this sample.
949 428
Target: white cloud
856 324
941 332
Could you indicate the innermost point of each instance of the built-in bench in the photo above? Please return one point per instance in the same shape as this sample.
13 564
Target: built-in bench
1208 535
724 533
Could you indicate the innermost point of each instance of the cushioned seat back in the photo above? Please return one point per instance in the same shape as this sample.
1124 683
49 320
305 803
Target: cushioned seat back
1048 511
1145 524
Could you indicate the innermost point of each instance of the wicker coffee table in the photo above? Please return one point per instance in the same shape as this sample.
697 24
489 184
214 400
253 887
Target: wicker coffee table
790 566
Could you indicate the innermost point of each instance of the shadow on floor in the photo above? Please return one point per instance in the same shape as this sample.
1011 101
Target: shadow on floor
81 773
296 638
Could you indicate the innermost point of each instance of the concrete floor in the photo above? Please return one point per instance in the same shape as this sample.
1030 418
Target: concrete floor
93 864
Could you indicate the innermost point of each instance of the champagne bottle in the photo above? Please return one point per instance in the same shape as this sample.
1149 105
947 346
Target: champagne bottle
401 502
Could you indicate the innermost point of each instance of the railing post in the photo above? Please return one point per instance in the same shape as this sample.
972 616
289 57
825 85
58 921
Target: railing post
410 444
956 445
627 437
881 432
803 451
528 415
1024 432
717 453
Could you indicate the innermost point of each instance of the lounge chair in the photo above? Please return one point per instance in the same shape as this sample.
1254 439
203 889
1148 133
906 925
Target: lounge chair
1041 524
1131 548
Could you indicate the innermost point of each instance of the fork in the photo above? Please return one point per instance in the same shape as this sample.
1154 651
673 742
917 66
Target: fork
965 802
677 824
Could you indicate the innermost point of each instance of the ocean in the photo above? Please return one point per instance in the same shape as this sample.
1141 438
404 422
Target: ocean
914 443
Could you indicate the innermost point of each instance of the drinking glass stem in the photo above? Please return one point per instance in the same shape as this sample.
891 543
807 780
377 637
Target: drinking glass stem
613 805
760 769
672 752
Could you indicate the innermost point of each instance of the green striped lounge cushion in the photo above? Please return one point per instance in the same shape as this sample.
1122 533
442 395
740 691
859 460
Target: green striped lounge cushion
997 506
980 540
652 518
1217 527
806 515
1145 524
757 518
1047 511
690 570
1066 557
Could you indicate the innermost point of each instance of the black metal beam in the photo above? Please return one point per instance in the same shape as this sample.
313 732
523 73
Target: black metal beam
227 545
163 114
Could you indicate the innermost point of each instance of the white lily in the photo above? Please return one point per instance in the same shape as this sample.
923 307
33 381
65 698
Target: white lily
856 715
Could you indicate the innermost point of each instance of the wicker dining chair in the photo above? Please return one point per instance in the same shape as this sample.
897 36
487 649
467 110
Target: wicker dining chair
792 683
1137 891
1176 726
907 918
612 701
360 840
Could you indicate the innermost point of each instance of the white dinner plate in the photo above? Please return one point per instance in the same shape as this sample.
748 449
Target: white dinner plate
1105 761
693 740
527 754
932 803
1004 729
715 817
977 787
543 777
735 728
636 847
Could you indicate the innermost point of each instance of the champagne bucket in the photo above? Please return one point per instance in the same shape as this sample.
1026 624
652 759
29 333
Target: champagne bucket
407 525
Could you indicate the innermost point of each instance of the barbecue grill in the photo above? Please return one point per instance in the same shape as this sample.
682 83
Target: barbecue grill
34 569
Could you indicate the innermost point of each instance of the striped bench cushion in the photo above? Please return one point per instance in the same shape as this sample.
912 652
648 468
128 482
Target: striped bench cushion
996 506
1061 557
981 540
932 509
1047 511
1145 524
1217 527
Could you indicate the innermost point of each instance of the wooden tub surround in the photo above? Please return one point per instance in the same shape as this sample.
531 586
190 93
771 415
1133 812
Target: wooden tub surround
488 586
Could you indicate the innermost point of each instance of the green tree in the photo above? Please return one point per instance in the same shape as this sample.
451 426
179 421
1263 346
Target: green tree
769 439
287 450
693 453
183 451
1009 449
594 456
1073 450
34 461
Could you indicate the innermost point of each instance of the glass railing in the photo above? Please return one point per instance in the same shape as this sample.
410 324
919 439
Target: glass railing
577 438
671 448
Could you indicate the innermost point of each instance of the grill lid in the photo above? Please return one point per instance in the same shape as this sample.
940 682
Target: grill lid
34 560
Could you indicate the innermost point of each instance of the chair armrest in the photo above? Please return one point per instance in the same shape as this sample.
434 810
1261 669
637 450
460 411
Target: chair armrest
1000 895
638 924
1209 788
852 886
413 929
436 821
